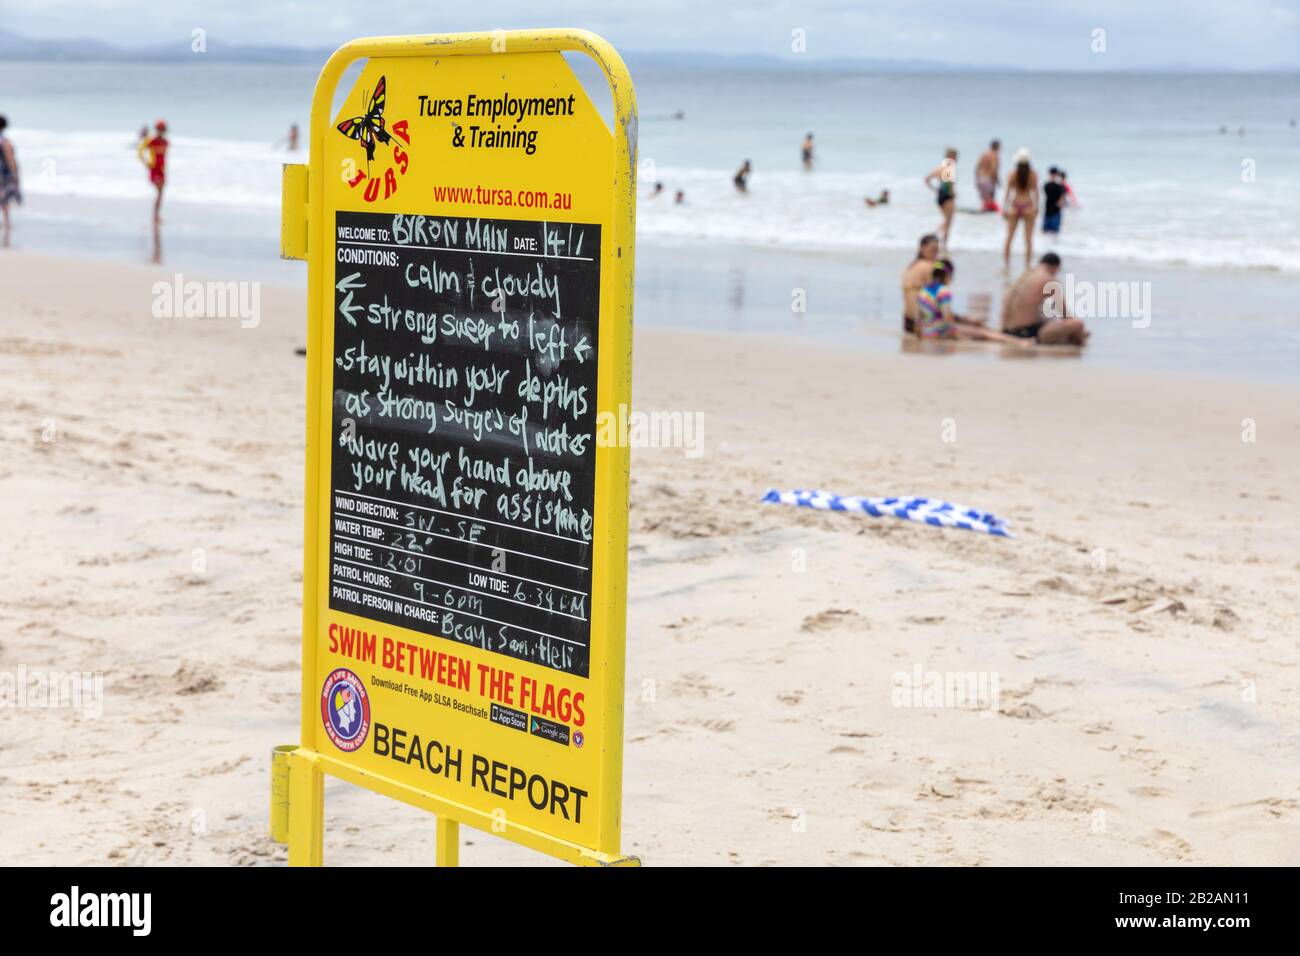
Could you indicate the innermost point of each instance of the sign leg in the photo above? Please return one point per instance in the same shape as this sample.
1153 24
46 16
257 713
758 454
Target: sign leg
280 758
448 833
306 811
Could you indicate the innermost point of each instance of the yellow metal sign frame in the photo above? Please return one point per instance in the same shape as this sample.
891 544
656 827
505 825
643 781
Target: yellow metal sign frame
297 806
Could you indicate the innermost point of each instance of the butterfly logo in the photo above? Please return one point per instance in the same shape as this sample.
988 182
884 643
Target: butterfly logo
369 128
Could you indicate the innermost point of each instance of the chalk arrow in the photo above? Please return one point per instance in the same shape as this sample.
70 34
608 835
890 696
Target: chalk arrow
346 308
346 283
581 347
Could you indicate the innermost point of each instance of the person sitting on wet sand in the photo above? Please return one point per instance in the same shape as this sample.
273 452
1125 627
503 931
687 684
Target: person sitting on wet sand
916 276
1034 307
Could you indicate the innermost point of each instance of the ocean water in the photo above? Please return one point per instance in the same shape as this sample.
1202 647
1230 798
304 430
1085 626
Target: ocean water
1157 180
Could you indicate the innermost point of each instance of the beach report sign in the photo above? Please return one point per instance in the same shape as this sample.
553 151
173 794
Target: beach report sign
467 217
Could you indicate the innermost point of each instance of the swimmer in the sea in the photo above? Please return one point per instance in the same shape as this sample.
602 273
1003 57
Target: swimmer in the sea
741 178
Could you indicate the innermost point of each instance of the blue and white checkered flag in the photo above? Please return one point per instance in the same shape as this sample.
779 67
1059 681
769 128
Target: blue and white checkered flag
942 514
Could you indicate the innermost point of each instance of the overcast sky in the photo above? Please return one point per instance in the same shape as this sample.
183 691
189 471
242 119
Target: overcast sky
1040 34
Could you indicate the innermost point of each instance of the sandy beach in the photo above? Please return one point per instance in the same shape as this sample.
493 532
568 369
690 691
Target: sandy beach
1138 635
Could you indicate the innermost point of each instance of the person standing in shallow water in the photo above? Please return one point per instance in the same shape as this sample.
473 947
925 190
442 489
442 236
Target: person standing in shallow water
1020 207
1053 198
943 180
9 192
806 151
153 153
987 177
290 139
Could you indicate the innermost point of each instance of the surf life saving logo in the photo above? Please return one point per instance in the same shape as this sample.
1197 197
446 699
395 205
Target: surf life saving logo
371 130
345 709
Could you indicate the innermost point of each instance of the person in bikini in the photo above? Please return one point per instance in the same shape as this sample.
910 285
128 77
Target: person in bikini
1034 308
1020 206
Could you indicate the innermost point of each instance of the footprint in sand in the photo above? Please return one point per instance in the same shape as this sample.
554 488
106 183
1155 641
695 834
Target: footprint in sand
1150 791
1267 808
1169 843
697 685
189 678
893 822
1024 710
833 618
925 619
683 629
226 766
715 724
1057 583
783 813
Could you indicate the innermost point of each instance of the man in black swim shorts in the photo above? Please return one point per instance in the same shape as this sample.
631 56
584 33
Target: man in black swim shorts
1034 307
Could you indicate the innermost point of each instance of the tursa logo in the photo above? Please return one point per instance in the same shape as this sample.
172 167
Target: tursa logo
371 130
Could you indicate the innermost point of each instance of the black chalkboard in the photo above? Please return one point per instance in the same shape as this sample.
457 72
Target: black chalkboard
463 435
